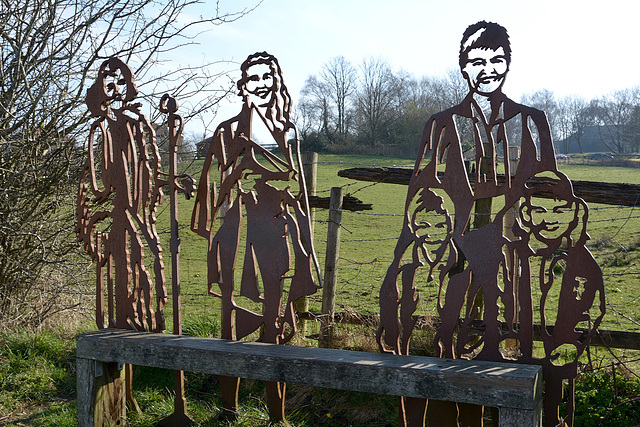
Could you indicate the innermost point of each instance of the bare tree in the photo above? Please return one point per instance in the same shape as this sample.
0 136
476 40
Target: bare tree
326 99
545 100
412 102
616 112
632 130
314 109
49 50
456 87
375 98
340 77
433 93
403 91
574 115
447 91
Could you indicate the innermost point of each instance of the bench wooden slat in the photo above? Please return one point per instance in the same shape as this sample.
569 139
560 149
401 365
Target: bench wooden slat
492 384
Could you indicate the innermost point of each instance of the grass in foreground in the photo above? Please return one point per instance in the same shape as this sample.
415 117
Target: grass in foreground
37 388
37 379
37 371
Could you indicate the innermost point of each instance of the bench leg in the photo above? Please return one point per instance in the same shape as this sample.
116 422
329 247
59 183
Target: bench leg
511 417
413 411
85 376
275 399
229 387
101 397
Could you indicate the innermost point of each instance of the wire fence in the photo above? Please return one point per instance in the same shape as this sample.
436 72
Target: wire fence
367 245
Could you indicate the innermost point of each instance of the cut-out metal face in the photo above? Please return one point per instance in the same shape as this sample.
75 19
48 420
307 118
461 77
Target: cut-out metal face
485 70
260 85
501 258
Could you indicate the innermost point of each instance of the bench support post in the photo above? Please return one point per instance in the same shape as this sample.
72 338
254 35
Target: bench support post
510 417
101 396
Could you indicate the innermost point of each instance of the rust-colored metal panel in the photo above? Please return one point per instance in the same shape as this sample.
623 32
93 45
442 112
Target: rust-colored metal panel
118 196
478 269
184 184
265 193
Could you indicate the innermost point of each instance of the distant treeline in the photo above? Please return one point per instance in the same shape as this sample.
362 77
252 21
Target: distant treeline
372 109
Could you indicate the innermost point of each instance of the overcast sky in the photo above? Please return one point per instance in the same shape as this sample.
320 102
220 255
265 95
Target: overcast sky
571 47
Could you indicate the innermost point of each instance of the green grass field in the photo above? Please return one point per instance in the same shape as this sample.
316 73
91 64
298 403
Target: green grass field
368 239
37 378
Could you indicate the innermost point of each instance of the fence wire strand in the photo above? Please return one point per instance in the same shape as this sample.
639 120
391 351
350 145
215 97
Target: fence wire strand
368 252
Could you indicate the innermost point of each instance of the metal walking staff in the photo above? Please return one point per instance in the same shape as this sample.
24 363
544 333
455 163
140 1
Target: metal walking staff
169 105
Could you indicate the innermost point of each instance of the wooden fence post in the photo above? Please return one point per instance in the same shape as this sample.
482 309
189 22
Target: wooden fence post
331 267
310 171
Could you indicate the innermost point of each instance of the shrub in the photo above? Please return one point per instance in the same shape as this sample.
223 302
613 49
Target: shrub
600 401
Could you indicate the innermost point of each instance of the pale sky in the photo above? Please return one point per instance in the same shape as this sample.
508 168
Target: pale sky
571 47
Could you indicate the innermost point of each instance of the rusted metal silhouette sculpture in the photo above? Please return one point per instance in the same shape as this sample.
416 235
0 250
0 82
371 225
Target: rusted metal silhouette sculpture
486 305
255 183
119 192
177 184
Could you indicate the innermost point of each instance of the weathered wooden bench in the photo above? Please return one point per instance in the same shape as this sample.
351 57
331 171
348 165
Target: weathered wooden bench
513 388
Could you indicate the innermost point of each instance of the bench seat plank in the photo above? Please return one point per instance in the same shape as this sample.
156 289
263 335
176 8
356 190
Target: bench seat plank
492 384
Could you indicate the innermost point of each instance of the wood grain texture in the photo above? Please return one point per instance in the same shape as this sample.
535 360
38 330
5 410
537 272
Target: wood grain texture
492 384
101 398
